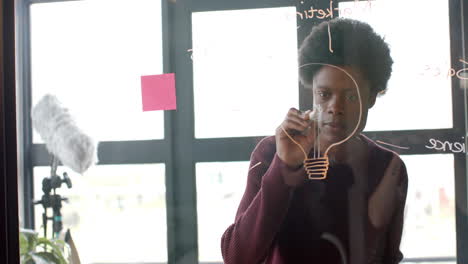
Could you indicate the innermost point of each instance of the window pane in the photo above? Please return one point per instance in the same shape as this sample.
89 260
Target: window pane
430 207
245 71
91 54
421 52
116 213
220 186
429 213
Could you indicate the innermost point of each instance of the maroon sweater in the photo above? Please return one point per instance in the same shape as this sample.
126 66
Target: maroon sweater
277 224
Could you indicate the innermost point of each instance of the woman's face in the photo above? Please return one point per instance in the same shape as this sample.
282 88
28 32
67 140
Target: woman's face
336 95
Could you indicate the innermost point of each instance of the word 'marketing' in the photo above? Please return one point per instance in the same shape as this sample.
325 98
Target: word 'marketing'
329 12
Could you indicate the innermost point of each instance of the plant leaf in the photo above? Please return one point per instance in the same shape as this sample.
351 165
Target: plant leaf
31 236
23 244
50 257
32 242
26 259
56 250
38 259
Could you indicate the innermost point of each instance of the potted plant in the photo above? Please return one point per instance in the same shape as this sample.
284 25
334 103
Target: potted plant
41 250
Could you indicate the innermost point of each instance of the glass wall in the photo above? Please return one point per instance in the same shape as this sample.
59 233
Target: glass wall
167 185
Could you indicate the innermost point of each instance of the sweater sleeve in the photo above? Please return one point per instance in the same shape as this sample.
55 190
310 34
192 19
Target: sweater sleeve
262 209
392 254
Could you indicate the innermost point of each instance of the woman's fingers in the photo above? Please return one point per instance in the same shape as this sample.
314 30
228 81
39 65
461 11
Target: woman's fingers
292 127
312 115
295 119
298 124
296 114
304 124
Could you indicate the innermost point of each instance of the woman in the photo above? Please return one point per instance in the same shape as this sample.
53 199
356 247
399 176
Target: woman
355 214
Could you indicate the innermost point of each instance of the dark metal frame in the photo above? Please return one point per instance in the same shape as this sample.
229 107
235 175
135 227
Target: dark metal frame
181 151
9 248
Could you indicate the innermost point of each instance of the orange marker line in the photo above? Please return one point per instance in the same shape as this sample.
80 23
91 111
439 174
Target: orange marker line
381 142
255 165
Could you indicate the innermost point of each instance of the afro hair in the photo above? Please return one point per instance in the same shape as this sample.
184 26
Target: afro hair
354 44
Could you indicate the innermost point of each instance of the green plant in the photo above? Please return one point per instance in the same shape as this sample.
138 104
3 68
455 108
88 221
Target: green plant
40 250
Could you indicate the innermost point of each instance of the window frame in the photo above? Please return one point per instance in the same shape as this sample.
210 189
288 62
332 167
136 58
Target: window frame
9 249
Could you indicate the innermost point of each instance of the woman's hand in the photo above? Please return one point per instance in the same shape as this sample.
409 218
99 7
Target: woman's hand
300 128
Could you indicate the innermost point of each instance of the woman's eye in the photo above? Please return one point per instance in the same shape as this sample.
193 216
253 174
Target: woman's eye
352 97
323 94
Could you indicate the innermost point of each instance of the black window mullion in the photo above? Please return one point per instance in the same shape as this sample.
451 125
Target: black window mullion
457 36
462 229
24 101
411 142
184 218
167 40
167 13
119 152
9 249
224 149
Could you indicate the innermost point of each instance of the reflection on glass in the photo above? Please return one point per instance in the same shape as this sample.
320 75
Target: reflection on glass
116 213
245 71
220 186
430 207
91 55
421 53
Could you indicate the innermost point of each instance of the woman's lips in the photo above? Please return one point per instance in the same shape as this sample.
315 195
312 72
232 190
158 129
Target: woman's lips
335 126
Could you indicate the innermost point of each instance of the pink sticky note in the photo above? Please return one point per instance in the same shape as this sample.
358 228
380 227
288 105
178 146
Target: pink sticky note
158 92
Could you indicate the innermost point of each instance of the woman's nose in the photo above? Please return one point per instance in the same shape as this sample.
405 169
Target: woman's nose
336 106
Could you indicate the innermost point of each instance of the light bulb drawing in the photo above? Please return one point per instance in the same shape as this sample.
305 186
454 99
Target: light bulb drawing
317 166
